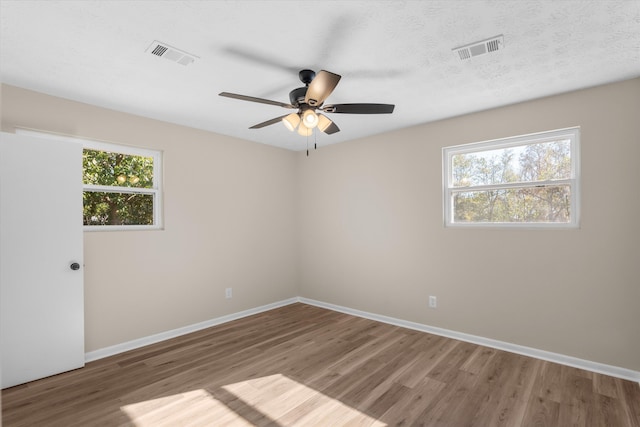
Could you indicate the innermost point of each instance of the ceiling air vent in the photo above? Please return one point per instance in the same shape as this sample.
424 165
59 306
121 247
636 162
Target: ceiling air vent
479 48
171 53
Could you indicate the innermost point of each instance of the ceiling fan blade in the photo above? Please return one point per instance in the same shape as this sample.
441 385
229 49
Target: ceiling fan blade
254 99
268 122
321 87
326 125
359 108
331 129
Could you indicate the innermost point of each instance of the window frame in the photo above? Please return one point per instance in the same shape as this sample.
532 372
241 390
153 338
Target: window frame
572 134
155 191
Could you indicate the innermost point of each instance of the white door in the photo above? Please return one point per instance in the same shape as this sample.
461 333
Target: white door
41 298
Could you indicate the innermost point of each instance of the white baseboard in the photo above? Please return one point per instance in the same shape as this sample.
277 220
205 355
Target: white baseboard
562 359
152 339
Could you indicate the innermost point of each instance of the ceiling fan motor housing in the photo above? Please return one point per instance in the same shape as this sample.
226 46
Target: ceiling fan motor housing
306 76
296 96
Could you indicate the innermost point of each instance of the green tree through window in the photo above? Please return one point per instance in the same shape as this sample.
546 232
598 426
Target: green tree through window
102 168
121 186
517 180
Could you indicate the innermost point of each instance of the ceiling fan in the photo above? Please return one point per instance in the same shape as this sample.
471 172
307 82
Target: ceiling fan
308 100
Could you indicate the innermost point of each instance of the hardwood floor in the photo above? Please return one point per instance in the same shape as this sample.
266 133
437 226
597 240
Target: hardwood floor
306 366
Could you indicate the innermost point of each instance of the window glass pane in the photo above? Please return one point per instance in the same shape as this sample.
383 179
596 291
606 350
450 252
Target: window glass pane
100 208
533 204
116 169
527 163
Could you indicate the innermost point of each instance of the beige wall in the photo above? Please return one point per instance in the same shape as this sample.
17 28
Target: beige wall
359 224
371 233
228 222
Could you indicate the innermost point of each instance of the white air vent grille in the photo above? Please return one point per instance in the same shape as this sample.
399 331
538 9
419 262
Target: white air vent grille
159 50
479 48
163 50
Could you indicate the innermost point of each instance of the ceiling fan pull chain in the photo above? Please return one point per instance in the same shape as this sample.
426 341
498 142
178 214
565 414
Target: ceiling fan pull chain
307 145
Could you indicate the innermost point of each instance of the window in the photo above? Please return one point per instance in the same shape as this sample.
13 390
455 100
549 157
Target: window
524 181
121 185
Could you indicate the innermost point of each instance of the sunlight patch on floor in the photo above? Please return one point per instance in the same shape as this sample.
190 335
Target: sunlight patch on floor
280 397
276 399
192 408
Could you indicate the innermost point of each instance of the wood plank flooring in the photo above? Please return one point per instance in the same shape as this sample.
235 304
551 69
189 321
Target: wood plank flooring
301 365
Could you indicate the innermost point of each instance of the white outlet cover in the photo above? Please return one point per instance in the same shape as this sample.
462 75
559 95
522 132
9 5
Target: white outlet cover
433 302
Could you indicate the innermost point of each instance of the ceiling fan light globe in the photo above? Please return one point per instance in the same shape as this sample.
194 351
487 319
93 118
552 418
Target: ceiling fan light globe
291 121
305 131
309 119
323 122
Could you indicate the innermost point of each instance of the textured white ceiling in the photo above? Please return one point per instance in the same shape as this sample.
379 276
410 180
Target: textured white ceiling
397 52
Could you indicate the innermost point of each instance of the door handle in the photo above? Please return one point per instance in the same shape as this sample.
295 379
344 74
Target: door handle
75 266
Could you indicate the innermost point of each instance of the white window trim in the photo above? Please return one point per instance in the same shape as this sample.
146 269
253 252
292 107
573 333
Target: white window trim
572 133
156 191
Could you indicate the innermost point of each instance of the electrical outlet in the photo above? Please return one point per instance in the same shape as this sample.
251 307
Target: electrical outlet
228 293
433 302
